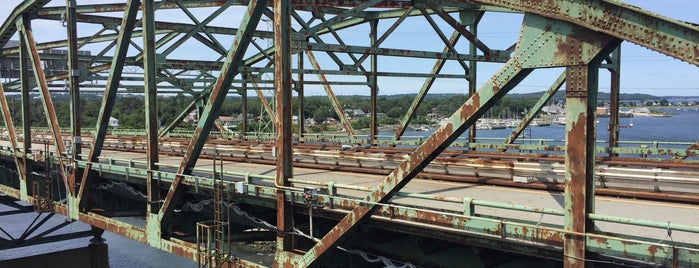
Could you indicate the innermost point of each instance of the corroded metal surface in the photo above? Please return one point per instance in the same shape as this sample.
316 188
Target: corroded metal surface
576 35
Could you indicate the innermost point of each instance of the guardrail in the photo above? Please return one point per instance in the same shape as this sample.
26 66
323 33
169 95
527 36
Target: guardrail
637 149
470 219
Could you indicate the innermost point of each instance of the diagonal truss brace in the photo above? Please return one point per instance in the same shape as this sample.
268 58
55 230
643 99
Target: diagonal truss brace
218 94
528 55
25 30
537 108
111 88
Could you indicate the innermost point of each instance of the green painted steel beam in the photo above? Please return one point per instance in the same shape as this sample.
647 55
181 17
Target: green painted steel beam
437 68
331 95
518 239
12 136
283 126
503 57
536 108
111 88
99 38
25 29
199 26
667 36
25 8
218 94
503 81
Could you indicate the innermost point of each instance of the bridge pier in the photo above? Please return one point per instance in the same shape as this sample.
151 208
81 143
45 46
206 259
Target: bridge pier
94 255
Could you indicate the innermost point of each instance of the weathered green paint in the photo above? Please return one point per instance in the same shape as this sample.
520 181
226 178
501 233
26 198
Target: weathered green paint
536 108
109 99
218 94
668 36
424 89
26 34
331 95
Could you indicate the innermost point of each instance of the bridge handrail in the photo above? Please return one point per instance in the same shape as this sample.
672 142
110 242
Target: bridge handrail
466 201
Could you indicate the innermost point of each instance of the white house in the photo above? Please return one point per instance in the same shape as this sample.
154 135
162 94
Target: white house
113 122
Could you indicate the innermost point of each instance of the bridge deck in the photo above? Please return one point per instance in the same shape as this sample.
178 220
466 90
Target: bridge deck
622 207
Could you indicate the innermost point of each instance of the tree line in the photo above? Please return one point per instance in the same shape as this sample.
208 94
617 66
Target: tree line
130 109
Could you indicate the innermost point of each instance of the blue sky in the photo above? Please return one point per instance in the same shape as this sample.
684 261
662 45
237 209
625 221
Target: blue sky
643 70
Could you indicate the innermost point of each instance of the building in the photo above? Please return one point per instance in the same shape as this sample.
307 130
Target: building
55 61
113 122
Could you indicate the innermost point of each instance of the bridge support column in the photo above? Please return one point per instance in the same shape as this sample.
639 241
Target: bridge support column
99 255
581 100
615 72
283 125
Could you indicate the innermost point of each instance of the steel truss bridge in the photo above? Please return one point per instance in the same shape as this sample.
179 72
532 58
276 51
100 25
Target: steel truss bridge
397 199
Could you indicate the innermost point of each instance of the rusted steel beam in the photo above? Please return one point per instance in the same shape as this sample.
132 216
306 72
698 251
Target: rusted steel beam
438 65
300 91
503 81
283 126
615 84
244 109
265 103
25 30
109 99
374 84
581 100
537 108
25 88
331 95
150 88
471 18
218 94
26 8
74 87
20 161
385 35
437 8
668 36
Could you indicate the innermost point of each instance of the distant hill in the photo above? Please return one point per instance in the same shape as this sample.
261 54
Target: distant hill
560 95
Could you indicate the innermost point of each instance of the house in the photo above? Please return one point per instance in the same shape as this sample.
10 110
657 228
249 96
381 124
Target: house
113 122
358 113
192 118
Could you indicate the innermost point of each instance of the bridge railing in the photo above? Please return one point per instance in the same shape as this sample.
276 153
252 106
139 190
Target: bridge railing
474 215
643 149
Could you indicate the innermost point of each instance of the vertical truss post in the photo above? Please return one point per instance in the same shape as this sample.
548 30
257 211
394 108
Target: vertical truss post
110 92
74 84
244 109
26 34
581 100
300 91
283 124
152 153
471 19
615 72
26 116
373 83
229 69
